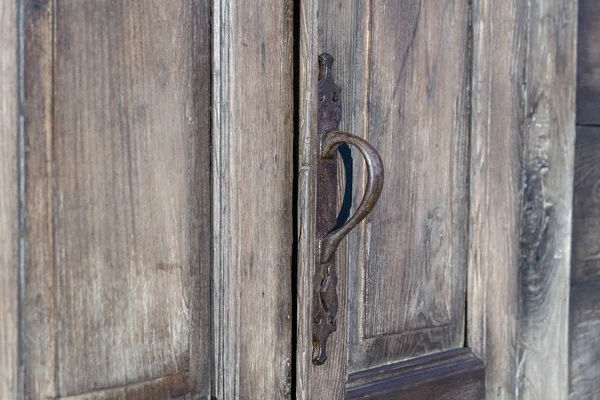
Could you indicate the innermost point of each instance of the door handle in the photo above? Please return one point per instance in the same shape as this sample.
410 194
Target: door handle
325 302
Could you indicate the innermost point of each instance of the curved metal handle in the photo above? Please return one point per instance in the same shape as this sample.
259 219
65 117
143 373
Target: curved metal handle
331 141
325 301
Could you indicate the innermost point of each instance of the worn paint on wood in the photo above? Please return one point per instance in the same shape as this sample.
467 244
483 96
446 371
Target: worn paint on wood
252 179
117 195
521 183
9 200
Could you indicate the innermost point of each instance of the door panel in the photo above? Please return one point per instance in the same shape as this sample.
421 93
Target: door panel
411 106
253 205
451 375
117 268
404 89
464 102
416 79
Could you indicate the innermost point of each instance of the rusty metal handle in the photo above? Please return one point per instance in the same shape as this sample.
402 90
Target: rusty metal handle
331 141
324 300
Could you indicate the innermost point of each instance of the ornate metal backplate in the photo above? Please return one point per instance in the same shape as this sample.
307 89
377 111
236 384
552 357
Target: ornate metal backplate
325 303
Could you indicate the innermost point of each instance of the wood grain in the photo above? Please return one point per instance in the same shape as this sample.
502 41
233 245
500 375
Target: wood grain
396 94
400 92
585 342
451 375
416 237
586 207
523 117
40 314
328 380
588 63
584 328
169 387
9 200
496 121
548 135
117 195
252 178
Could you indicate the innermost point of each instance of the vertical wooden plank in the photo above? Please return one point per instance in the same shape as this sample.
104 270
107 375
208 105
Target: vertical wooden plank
39 308
9 195
252 178
498 37
306 385
548 153
117 197
327 380
523 116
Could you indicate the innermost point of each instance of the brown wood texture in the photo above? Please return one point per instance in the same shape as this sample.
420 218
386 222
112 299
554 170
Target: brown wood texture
253 176
588 63
179 386
586 207
414 242
325 381
401 92
585 342
9 200
451 375
523 131
40 313
117 196
403 71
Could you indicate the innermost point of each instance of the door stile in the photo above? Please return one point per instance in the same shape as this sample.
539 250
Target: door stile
252 179
523 130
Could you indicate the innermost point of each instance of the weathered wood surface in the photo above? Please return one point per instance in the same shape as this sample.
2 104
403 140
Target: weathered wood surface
586 207
179 386
40 313
588 63
402 67
117 126
252 185
455 374
414 243
9 200
584 329
328 380
585 342
523 121
403 71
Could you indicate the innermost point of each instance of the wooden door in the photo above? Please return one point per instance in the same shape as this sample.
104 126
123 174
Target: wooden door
146 204
149 195
115 190
456 286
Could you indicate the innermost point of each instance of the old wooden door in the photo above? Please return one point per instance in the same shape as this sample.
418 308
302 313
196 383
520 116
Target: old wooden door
146 203
157 241
456 286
